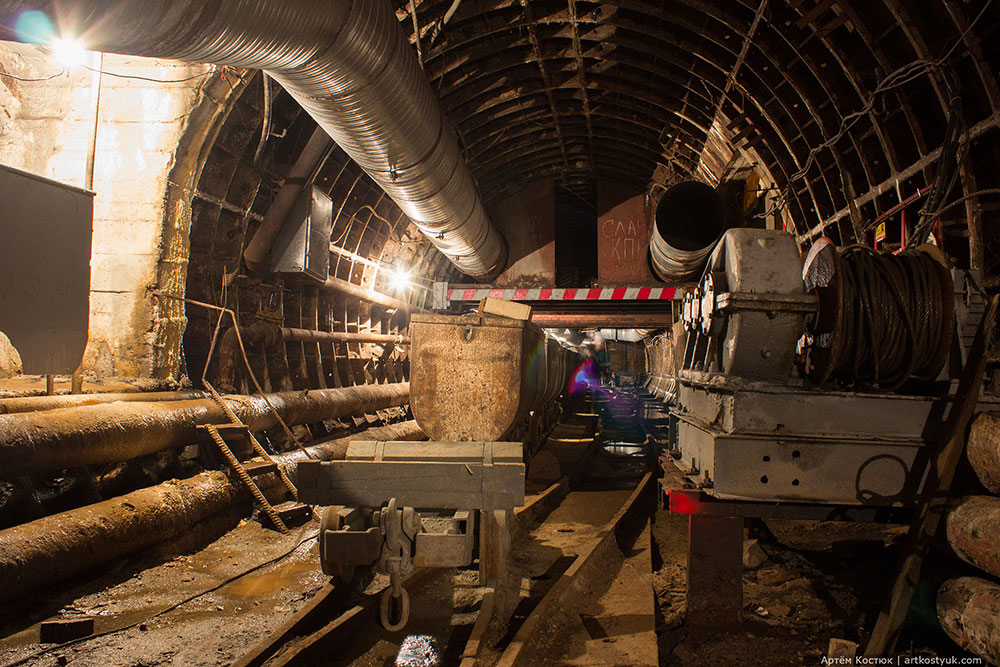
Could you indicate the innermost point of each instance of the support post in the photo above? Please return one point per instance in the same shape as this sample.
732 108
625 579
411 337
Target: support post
494 544
714 571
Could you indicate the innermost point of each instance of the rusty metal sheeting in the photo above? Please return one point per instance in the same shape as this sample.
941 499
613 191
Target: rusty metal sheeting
371 296
112 432
973 531
44 552
968 608
311 336
36 403
984 449
475 378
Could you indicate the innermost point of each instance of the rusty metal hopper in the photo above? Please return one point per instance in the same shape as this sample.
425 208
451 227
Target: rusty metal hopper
474 378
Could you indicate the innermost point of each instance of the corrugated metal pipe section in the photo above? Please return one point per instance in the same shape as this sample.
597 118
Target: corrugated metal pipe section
690 219
348 64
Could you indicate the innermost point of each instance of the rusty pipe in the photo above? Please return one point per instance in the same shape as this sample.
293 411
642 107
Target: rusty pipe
371 296
967 608
37 403
47 551
68 437
983 449
349 65
972 528
258 334
310 336
267 334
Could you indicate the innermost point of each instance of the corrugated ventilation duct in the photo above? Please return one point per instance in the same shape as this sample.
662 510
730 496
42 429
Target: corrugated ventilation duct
348 64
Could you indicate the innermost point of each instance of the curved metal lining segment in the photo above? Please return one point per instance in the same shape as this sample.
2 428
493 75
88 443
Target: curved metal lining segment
347 62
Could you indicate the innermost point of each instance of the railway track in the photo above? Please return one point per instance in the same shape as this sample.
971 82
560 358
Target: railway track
579 543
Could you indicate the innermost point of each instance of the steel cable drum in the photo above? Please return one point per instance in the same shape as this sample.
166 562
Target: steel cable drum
689 220
882 318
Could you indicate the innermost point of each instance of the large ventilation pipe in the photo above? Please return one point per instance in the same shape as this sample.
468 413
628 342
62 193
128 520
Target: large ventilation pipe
689 220
347 62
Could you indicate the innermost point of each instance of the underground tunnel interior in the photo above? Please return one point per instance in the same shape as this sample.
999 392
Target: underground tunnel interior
416 332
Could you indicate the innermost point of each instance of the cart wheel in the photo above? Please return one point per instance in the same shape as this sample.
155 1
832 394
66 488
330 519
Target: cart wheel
332 521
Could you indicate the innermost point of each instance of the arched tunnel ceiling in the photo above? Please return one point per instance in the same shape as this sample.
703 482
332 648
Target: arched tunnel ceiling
630 90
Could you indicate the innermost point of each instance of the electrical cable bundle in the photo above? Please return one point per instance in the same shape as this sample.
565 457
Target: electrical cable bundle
895 320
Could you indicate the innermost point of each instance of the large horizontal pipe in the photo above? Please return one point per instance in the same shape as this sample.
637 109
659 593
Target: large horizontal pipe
310 336
984 449
40 553
36 403
689 220
968 609
350 67
371 296
69 437
973 531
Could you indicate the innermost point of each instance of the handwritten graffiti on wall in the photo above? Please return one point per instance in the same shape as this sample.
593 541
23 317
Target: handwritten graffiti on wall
624 237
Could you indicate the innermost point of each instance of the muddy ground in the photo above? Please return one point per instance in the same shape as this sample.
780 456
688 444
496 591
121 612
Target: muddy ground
820 580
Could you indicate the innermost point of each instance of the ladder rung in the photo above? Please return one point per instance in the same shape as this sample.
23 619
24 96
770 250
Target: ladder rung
229 428
258 467
291 509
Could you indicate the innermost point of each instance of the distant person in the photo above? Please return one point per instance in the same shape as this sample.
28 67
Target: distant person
601 358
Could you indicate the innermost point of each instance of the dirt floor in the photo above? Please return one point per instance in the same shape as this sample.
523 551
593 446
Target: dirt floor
820 580
201 609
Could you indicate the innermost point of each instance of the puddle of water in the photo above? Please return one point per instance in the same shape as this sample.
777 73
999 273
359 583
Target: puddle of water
262 584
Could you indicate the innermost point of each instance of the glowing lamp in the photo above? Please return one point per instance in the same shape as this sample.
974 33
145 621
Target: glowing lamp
68 52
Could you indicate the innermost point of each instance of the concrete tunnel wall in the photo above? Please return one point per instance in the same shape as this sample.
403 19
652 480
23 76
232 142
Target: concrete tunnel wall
46 128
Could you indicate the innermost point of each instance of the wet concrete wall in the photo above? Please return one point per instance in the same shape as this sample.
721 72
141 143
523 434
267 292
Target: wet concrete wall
48 128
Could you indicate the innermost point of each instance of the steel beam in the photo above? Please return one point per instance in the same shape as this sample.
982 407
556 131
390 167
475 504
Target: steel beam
605 318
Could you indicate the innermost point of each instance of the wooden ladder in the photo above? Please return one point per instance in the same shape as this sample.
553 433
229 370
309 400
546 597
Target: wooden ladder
261 464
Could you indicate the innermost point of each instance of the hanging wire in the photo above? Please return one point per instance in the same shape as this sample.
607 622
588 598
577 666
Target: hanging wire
29 80
896 79
246 361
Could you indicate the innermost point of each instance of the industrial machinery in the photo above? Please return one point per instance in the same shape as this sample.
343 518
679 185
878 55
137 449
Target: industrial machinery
819 383
484 390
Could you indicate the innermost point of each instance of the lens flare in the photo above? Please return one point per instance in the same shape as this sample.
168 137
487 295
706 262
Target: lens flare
34 27
586 378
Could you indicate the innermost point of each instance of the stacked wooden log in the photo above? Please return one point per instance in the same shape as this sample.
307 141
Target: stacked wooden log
968 608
